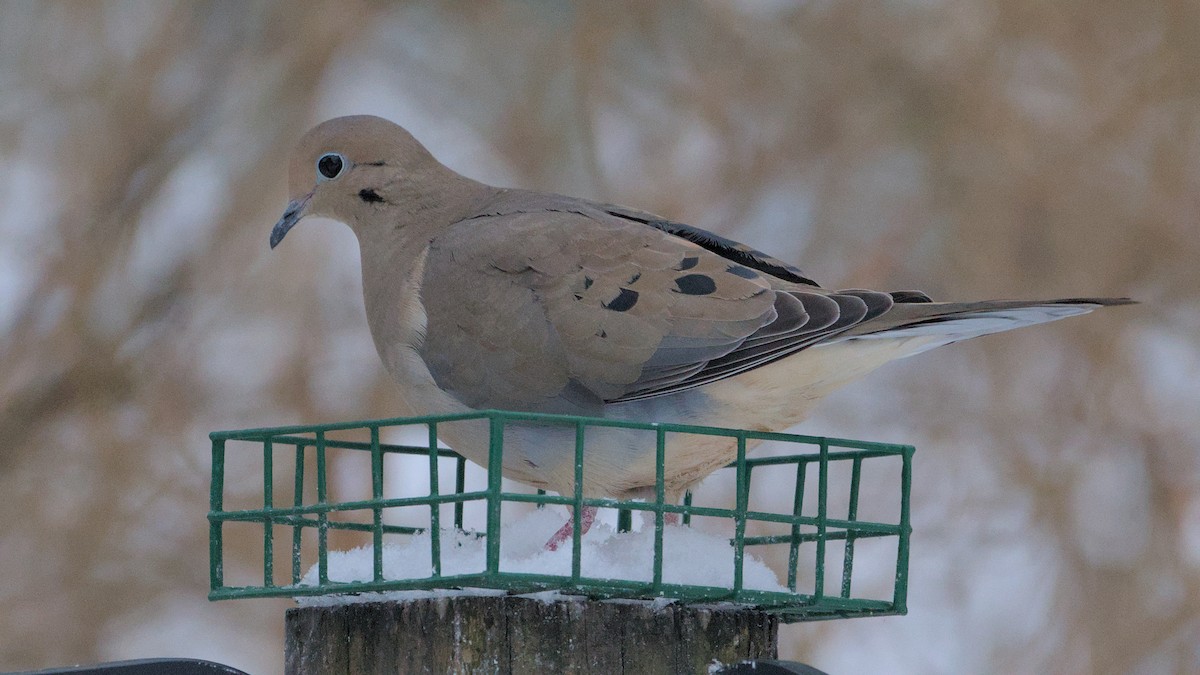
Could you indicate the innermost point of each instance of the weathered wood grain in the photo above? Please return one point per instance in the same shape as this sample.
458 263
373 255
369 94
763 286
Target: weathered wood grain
510 634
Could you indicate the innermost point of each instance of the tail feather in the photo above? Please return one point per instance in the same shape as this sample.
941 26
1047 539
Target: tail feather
956 321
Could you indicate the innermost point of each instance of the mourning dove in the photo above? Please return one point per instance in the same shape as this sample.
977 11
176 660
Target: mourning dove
481 297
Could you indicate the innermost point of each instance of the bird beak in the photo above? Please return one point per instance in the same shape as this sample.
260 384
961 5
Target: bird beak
291 215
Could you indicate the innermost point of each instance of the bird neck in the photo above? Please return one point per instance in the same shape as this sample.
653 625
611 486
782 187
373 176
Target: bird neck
393 246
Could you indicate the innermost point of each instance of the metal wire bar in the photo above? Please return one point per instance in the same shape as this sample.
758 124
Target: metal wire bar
624 520
268 522
900 596
257 515
822 514
216 502
298 500
797 506
660 455
851 514
337 444
322 517
739 519
313 523
435 516
578 517
460 487
495 462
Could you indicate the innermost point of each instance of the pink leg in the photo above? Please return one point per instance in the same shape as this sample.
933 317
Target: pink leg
567 531
672 518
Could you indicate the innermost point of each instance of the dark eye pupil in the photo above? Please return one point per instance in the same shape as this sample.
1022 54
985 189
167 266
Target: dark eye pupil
329 166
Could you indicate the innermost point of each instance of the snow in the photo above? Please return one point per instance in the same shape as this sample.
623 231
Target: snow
690 556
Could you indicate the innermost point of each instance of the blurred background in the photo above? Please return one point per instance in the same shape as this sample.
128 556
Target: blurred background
967 148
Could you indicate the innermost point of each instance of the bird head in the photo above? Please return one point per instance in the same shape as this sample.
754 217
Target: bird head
352 169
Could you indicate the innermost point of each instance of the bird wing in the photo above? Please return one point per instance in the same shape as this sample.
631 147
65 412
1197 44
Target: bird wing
562 307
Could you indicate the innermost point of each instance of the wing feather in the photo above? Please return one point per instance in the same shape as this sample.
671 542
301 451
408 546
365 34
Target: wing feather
546 303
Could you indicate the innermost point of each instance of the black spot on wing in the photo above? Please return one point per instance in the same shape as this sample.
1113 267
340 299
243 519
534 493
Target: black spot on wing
624 301
687 263
695 284
743 272
587 282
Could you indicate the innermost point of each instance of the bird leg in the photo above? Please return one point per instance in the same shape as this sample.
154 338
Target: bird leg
670 517
566 531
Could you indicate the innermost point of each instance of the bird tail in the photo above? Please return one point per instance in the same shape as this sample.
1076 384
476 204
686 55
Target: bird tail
948 322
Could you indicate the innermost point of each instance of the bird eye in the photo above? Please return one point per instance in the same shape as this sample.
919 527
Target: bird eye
330 166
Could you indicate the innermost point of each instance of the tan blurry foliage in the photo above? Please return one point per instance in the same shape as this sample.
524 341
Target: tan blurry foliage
104 478
968 149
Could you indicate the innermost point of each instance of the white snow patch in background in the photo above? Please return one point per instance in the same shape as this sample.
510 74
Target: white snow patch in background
1169 363
690 556
177 222
28 195
1189 533
1109 506
178 626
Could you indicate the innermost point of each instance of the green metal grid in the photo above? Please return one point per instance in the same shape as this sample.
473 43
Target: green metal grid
802 528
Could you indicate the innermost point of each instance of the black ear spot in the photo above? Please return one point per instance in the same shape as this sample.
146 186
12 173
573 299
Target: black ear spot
369 196
695 284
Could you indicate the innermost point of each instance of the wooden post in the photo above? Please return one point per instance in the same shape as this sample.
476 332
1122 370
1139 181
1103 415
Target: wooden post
510 634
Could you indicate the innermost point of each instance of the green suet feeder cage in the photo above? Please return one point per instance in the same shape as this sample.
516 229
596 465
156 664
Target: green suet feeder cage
823 538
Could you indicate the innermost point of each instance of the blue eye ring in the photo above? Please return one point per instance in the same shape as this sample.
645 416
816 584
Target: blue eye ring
330 165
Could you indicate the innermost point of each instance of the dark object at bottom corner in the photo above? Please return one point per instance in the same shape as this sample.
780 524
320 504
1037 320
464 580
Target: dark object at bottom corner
768 667
144 667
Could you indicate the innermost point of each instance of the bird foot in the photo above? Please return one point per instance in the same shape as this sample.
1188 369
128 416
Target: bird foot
567 531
